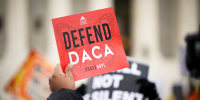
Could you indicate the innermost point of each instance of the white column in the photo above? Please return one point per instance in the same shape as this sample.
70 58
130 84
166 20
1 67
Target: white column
99 4
56 8
17 44
145 38
188 18
144 28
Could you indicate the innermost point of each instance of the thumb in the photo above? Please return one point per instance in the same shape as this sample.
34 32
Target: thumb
68 70
57 68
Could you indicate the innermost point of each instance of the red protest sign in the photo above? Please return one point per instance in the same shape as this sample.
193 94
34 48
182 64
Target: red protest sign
91 42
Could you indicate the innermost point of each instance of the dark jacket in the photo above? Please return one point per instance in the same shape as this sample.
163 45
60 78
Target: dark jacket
65 94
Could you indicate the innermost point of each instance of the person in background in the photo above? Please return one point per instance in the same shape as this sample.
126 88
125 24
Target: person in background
62 85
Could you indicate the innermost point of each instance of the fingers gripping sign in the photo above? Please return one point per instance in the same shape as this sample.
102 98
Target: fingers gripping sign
62 80
68 71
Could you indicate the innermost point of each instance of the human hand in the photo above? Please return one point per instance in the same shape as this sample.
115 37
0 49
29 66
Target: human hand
62 80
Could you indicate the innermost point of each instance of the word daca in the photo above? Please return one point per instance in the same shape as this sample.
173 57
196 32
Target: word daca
86 56
96 29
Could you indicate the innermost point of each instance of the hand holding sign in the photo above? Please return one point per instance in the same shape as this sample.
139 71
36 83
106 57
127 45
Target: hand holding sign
62 80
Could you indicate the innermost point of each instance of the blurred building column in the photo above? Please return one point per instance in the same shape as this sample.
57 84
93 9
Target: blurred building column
188 18
144 28
37 27
56 8
16 41
188 22
99 4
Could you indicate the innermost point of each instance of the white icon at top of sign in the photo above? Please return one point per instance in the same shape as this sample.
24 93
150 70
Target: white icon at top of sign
83 21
